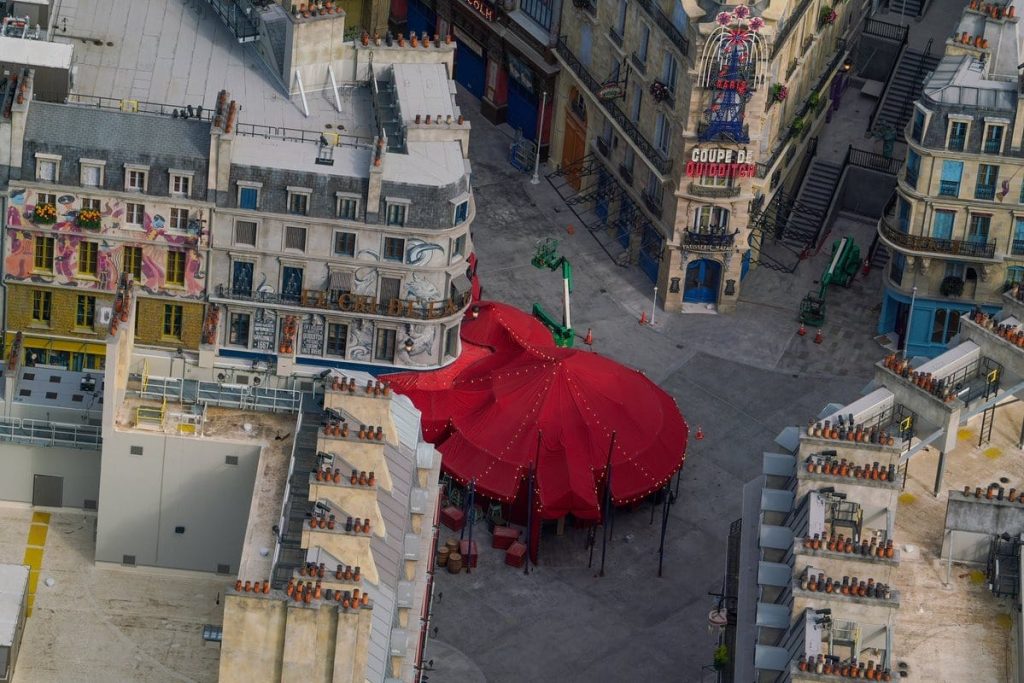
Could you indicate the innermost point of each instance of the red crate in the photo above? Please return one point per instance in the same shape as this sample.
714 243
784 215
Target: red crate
504 536
453 518
469 554
516 554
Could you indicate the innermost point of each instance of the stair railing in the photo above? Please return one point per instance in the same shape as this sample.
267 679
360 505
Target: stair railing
909 99
873 119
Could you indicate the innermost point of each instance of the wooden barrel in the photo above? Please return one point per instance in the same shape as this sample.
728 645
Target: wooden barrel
452 545
442 556
455 563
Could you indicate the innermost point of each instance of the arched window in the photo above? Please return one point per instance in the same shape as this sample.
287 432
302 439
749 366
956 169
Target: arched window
939 326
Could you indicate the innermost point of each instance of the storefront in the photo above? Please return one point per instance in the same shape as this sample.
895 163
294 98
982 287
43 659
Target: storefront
58 353
927 330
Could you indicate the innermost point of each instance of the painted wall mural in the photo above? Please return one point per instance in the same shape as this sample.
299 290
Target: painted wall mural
360 341
154 239
424 345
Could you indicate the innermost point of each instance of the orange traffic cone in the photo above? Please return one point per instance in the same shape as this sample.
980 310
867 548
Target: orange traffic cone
570 229
802 331
818 338
589 339
700 433
643 317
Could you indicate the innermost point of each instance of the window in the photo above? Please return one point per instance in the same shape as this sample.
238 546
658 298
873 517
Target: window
638 97
903 214
645 39
945 325
538 10
132 257
238 329
918 128
669 70
133 213
245 233
711 219
1015 275
654 189
87 255
175 267
949 185
451 342
459 246
41 302
348 208
179 219
988 175
461 212
345 243
628 158
241 278
899 262
913 168
977 228
957 136
248 197
91 173
662 134
1017 246
93 204
172 320
47 167
396 214
390 287
85 314
384 348
679 17
394 249
955 269
993 139
337 339
46 198
298 202
942 225
620 20
135 179
291 283
295 238
44 254
181 184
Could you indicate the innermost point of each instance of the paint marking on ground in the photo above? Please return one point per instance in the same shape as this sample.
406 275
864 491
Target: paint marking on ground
37 533
993 452
907 498
964 434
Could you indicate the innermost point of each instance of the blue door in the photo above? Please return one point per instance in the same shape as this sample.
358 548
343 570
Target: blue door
650 251
522 110
421 18
469 70
702 279
626 212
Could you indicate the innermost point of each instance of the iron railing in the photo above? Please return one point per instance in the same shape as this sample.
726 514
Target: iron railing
875 162
665 24
139 106
985 192
45 433
257 130
936 245
883 29
322 300
1017 247
238 396
699 190
709 241
957 143
949 188
565 53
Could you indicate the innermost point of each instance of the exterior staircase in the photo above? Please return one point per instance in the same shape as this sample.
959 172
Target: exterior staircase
905 87
907 8
808 213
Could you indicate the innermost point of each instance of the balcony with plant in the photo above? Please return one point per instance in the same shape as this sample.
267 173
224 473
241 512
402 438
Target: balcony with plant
89 218
44 214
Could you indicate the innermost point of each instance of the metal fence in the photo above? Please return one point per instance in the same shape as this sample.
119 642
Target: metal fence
239 396
44 433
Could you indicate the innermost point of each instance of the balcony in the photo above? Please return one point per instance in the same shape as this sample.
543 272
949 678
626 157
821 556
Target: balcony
985 192
615 37
993 146
660 163
957 143
345 302
665 24
920 243
713 240
698 190
791 23
1017 248
949 188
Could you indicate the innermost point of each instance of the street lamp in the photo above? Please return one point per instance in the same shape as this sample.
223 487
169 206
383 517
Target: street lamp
540 138
910 319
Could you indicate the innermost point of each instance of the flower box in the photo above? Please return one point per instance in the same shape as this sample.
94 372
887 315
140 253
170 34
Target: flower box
89 218
44 213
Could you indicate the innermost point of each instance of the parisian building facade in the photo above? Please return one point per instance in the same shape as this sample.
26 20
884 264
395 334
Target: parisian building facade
955 227
683 119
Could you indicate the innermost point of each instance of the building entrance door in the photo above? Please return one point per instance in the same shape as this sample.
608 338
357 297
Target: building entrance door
574 147
702 280
48 491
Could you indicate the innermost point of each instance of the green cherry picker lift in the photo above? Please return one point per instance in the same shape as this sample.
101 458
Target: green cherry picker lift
547 256
841 270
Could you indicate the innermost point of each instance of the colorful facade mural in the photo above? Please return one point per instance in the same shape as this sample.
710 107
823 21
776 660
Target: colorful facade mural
113 236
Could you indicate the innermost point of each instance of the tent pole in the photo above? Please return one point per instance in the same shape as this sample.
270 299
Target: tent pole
465 513
679 475
529 504
590 541
654 506
471 521
607 502
665 508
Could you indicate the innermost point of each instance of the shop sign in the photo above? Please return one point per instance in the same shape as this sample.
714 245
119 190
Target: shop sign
483 8
313 336
264 331
719 162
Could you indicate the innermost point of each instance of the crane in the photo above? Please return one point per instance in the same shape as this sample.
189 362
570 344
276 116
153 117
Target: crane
547 256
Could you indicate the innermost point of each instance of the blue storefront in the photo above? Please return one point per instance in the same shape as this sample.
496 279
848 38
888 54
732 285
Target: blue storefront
933 322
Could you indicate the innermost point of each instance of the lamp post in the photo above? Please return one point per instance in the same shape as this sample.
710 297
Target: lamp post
540 138
910 319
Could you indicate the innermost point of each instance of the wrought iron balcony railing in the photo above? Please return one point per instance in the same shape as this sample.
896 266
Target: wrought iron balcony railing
949 188
957 143
709 241
708 191
663 165
1017 247
985 192
791 23
936 245
665 24
324 300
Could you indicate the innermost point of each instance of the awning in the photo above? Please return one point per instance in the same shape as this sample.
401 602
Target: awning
461 285
339 281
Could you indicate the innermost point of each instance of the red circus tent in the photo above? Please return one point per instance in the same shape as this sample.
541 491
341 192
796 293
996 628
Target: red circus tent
514 399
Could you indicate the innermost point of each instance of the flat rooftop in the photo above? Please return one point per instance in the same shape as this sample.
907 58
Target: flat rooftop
13 590
958 631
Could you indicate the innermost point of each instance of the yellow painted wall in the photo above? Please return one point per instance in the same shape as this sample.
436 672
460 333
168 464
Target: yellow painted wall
151 323
62 312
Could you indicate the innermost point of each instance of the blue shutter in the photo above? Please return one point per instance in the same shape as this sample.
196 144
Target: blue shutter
942 226
952 170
